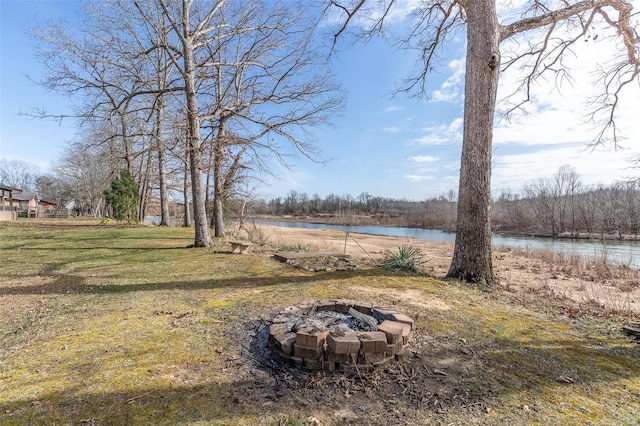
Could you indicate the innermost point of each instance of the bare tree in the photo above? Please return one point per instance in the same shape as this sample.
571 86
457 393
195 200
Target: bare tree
96 63
151 35
544 204
193 28
553 200
18 174
87 171
562 24
51 188
567 184
235 58
271 83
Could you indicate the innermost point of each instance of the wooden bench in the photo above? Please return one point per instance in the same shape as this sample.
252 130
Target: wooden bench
242 246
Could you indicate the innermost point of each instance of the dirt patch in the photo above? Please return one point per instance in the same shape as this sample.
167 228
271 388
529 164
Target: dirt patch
425 381
409 295
316 261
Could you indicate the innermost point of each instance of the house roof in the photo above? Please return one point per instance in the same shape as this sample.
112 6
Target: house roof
25 196
28 196
4 187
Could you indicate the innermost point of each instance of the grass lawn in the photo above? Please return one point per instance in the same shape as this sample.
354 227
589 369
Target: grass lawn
111 324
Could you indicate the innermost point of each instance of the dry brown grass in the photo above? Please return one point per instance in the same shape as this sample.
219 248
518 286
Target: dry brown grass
593 280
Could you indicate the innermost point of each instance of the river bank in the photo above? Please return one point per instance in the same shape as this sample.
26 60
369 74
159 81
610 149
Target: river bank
399 221
524 272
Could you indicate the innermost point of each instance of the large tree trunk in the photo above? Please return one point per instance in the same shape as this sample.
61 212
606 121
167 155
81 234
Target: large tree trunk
145 188
126 142
218 180
162 164
185 195
207 179
472 253
202 237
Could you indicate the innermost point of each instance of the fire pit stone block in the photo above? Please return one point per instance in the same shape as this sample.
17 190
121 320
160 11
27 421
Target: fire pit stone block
299 361
326 305
394 348
407 335
306 352
291 310
393 330
382 314
279 328
373 341
402 318
284 342
349 343
364 308
330 366
343 305
311 338
332 356
312 347
370 357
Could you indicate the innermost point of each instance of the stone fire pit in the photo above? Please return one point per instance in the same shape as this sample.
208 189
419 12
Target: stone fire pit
341 334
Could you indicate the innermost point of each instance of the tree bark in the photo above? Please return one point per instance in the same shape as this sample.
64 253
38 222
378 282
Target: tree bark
185 194
162 164
125 141
472 252
218 180
145 188
202 237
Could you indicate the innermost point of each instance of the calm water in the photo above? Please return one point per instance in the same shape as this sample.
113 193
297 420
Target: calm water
626 252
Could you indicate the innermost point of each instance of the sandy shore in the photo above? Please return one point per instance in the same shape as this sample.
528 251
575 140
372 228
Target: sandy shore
522 272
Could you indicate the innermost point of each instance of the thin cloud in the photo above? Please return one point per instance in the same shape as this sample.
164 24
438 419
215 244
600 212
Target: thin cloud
393 108
552 126
452 166
427 170
452 90
418 178
444 133
367 16
424 159
393 129
513 171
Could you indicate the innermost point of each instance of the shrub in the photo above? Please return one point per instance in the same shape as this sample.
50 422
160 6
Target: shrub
407 258
294 247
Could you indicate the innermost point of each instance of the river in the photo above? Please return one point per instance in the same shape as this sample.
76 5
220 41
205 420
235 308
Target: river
622 252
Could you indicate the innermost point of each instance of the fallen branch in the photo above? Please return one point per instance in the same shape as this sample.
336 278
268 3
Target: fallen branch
130 400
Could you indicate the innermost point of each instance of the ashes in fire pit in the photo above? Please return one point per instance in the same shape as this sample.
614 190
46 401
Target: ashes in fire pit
341 335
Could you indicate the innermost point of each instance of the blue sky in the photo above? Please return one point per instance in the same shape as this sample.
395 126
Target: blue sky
398 147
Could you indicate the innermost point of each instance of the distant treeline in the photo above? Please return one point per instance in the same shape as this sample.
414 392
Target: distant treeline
556 206
563 206
437 212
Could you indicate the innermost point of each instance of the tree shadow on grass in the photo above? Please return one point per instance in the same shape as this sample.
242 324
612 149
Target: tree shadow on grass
76 284
486 380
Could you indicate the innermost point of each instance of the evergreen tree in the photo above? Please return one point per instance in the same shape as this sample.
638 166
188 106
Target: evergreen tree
123 197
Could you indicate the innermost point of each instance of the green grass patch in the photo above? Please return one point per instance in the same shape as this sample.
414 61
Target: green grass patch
114 324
